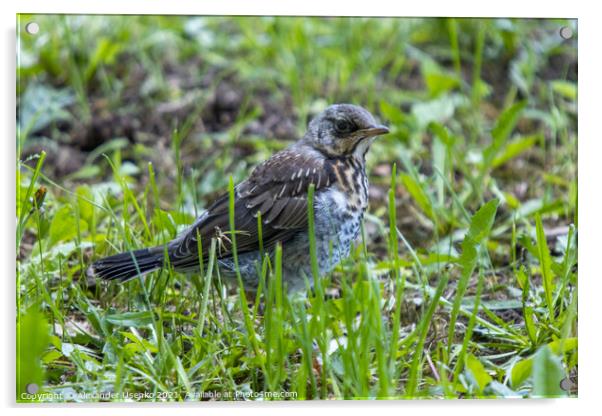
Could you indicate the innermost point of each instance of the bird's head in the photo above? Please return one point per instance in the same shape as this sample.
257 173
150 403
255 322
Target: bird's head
343 130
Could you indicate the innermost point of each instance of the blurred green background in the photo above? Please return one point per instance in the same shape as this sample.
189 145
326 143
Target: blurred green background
133 124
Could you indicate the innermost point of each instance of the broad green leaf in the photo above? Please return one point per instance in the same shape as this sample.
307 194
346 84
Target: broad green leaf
522 278
393 114
134 319
511 200
143 344
417 192
64 226
33 337
104 54
468 258
41 105
515 148
547 374
480 227
440 109
440 82
86 172
442 133
501 131
400 122
436 78
482 221
481 89
107 147
522 370
85 198
565 88
132 349
507 120
481 377
51 356
164 222
563 346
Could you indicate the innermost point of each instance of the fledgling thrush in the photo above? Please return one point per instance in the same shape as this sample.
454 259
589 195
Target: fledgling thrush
331 155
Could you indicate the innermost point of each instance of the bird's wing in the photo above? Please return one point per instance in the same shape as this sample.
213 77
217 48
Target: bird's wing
277 189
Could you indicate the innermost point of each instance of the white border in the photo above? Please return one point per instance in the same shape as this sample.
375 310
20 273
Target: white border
516 8
590 205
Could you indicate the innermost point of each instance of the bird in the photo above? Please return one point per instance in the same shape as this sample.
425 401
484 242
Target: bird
331 155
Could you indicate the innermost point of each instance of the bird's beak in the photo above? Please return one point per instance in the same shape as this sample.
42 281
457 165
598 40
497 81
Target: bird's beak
373 131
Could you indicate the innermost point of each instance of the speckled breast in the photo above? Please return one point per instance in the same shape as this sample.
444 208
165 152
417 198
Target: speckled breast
339 210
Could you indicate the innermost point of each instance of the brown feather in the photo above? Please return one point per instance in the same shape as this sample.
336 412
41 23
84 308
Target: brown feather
277 189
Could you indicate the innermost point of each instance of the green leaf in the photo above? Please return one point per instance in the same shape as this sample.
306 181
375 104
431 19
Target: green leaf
143 345
480 227
507 121
164 222
440 109
436 78
565 88
522 370
515 148
501 131
51 356
417 192
482 221
440 82
64 226
42 105
442 133
86 172
85 197
561 346
33 338
547 374
481 89
522 278
545 262
134 319
480 376
104 54
393 114
530 324
108 147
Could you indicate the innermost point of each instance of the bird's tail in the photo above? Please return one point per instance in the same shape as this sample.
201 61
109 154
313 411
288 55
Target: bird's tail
125 266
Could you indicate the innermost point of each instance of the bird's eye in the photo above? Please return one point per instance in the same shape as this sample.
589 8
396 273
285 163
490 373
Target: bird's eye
342 126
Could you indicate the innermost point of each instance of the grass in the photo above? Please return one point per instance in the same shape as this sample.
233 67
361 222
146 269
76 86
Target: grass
464 281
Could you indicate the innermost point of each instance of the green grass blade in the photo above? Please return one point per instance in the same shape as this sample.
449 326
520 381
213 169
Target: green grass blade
545 262
425 322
